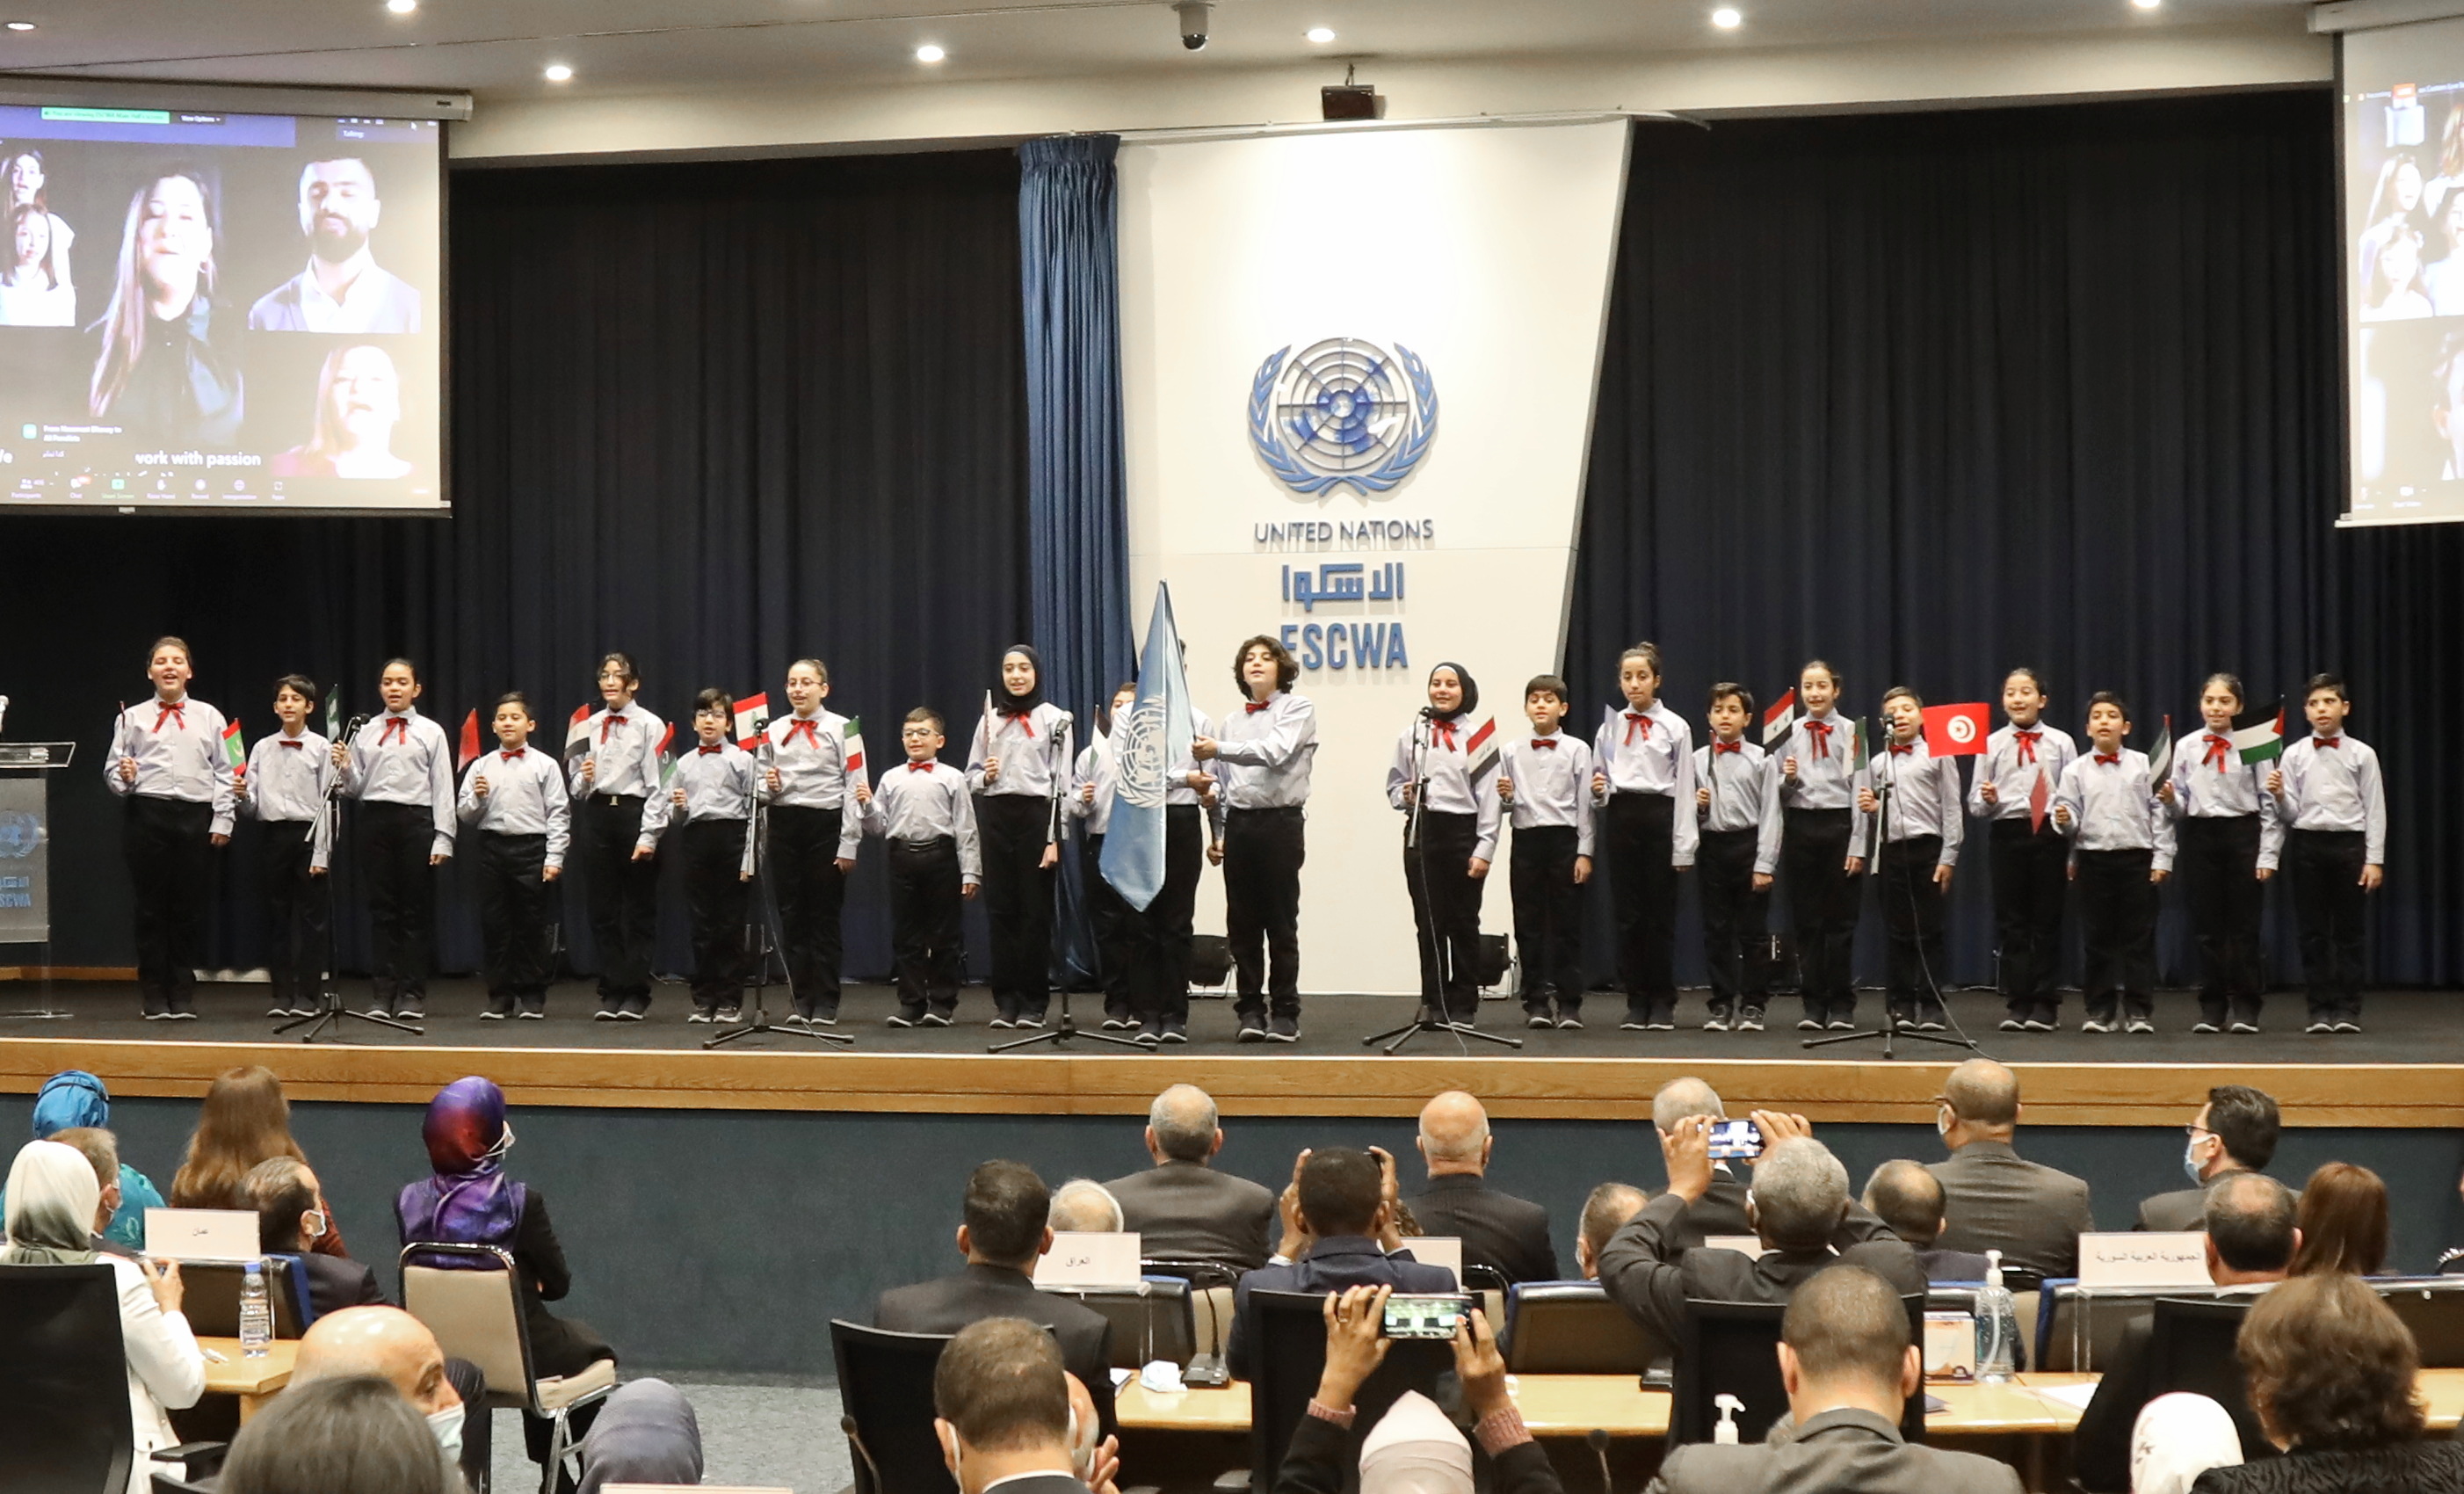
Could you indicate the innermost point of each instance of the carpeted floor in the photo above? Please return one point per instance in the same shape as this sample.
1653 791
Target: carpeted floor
758 1435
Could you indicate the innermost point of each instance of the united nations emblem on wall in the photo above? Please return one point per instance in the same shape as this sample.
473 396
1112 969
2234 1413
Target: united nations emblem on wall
1342 411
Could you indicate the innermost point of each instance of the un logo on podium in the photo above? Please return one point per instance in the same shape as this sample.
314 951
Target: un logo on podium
1342 411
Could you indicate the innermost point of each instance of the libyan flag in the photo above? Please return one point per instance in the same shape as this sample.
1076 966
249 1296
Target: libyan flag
2259 735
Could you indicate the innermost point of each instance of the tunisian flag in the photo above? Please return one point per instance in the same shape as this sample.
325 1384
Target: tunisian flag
1955 731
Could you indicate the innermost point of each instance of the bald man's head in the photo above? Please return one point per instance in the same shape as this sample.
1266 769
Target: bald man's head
385 1342
1454 1134
1981 1099
1680 1098
1181 1126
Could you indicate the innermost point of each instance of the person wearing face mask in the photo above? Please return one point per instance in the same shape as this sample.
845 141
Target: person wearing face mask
1992 1197
1005 1419
290 1219
74 1099
2234 1131
392 1346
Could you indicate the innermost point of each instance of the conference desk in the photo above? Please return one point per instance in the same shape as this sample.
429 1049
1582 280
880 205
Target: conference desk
256 1381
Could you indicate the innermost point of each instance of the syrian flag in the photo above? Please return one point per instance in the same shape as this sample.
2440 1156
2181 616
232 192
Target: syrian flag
752 714
2038 797
470 752
1781 716
1955 731
2160 758
235 750
1481 753
577 735
2258 735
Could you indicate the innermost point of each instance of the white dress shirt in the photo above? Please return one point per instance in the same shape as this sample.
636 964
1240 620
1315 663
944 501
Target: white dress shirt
2114 807
1442 756
2209 784
1924 796
288 779
1262 754
811 754
525 797
1095 769
917 801
405 759
1552 784
2337 788
1034 749
624 744
1826 779
721 782
178 745
167 1370
1739 781
1651 752
2013 759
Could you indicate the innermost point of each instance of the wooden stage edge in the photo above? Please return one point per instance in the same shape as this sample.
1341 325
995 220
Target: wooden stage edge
2395 1095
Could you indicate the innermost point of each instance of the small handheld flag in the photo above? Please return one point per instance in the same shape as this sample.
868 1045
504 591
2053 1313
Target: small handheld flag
666 760
1608 736
853 751
470 752
334 714
577 735
2159 759
1860 751
752 714
1781 716
2258 735
1955 731
1481 753
2038 797
235 750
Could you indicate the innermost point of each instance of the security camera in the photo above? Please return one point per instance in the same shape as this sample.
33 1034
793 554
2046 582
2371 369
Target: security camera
1192 15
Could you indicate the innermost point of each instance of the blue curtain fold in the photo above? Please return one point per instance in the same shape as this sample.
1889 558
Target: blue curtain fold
1078 550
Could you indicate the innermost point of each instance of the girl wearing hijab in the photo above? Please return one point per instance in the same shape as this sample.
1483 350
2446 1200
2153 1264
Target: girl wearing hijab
54 1205
1018 766
74 1098
1446 764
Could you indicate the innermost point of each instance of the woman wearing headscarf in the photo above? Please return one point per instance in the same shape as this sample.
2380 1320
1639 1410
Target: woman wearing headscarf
1446 769
74 1098
468 1200
1018 765
54 1205
645 1434
2177 1437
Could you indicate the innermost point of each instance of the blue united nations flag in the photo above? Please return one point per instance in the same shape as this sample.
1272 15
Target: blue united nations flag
1145 742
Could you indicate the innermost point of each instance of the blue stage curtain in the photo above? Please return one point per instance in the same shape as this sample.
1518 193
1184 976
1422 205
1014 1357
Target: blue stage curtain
1078 542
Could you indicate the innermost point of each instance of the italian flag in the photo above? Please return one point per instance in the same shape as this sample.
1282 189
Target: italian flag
852 749
752 714
1481 751
1781 716
2258 735
235 750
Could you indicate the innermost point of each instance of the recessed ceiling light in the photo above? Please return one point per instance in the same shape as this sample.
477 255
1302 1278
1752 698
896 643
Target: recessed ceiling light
1727 17
929 53
21 26
402 7
2148 4
1321 34
558 73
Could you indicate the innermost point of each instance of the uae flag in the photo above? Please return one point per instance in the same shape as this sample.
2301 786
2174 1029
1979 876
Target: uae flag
2160 756
235 750
1955 731
1481 753
752 714
470 752
1781 716
2258 735
577 735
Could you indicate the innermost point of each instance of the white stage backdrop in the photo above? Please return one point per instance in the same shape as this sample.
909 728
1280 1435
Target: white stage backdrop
1358 369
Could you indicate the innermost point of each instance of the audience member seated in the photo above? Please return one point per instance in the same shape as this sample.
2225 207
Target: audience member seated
1507 1234
1994 1199
2330 1369
1338 1231
1849 1368
1182 1207
2177 1437
1082 1205
54 1209
1721 1211
75 1099
2251 1240
2234 1132
244 1121
101 1149
1604 1213
450 1395
1002 1234
1800 1208
646 1432
289 1220
1907 1198
1002 1409
469 1202
1413 1449
2342 1218
338 1437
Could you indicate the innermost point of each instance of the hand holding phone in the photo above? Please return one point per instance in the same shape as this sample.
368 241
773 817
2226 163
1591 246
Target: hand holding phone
1434 1315
1732 1140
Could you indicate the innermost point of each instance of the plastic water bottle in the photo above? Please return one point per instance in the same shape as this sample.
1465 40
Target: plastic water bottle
1997 1324
255 1313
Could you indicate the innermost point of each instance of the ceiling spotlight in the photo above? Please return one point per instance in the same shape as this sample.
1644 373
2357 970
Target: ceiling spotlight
558 73
1321 34
929 53
21 26
1727 17
2148 4
402 7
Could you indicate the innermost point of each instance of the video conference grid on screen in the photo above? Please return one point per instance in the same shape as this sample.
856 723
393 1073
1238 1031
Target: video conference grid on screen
219 311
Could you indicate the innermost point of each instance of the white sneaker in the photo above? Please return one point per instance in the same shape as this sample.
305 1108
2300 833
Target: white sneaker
1717 1021
2321 1025
2012 1024
2095 1025
1750 1022
2138 1024
2347 1025
2244 1024
2204 1026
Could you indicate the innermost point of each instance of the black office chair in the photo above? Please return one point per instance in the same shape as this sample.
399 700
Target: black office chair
210 1300
63 1381
886 1401
1152 1320
1285 1365
1732 1349
1210 1293
2434 1310
1571 1327
2190 1348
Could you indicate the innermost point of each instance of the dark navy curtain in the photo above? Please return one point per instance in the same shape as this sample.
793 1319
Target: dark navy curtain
1078 550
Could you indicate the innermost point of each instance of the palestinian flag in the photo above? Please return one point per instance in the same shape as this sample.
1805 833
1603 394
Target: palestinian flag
469 751
1781 716
1481 753
851 751
2160 756
235 750
752 714
577 735
2259 735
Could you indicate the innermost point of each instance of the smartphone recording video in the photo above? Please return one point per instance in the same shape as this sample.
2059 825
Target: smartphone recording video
1427 1315
1731 1139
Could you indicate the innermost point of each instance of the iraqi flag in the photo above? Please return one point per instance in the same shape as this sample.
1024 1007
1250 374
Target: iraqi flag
1147 740
2258 735
2160 756
235 750
470 752
752 714
1955 731
1480 754
577 735
1781 716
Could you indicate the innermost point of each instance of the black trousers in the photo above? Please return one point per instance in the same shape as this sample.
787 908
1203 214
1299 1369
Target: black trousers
621 893
2031 879
1264 850
1641 834
1017 896
513 893
297 907
2220 866
1548 917
1822 900
2118 926
1912 915
170 848
804 876
2328 906
924 935
1118 937
1445 912
719 897
395 841
1736 920
1159 983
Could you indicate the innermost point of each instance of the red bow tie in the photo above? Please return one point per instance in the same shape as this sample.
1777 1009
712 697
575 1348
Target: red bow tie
173 712
1444 732
1902 748
707 751
2218 747
811 731
926 766
290 741
1820 731
1026 720
2108 758
1548 742
511 753
1637 722
1255 706
396 728
610 722
1718 747
2026 742
2328 742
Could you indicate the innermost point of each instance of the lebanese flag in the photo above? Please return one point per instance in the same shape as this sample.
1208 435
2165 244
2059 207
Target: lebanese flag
1781 716
235 750
2259 735
1955 731
1481 753
2038 797
470 752
2159 759
752 714
576 734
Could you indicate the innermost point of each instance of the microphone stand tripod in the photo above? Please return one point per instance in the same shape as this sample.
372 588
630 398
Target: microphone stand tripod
330 1010
1890 1029
1065 1030
763 930
1426 1017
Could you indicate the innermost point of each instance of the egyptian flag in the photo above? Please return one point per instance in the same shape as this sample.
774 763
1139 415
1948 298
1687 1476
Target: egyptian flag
235 750
577 735
752 714
2160 758
1955 731
470 752
1481 753
2258 735
1781 716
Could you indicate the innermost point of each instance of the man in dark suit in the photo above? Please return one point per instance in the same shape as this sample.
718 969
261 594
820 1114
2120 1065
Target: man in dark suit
283 1193
1992 1197
1184 1209
2251 1240
1801 1211
1845 1358
2235 1131
1905 1196
1507 1234
1604 1213
1340 1232
1001 1237
1722 1211
1001 1409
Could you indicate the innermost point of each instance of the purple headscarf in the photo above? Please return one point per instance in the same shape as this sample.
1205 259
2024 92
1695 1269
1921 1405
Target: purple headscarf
469 1202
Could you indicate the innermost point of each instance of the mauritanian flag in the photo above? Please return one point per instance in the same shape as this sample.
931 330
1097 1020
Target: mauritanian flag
752 714
2259 735
577 735
2160 758
235 750
1481 753
470 752
1781 716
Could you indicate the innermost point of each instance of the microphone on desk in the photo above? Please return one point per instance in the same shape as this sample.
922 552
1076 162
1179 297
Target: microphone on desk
1599 1441
847 1424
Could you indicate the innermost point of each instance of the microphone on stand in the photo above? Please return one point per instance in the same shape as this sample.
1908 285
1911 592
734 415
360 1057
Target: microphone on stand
1599 1444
